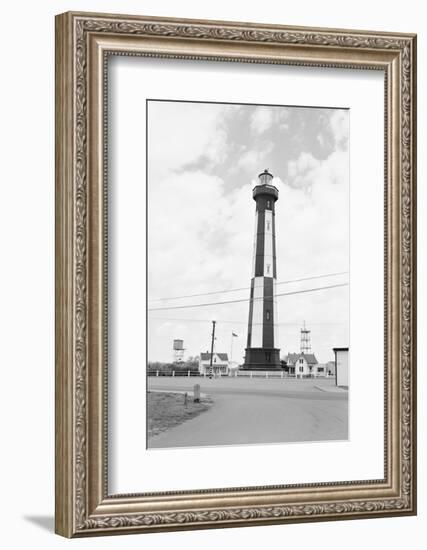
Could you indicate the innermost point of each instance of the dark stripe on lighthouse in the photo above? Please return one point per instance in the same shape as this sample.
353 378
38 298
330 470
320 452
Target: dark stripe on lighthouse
259 257
268 314
251 313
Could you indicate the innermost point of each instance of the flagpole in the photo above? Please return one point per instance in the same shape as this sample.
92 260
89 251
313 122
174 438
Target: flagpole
231 348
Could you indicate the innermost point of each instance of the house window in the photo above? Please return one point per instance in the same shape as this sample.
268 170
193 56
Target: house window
301 360
301 369
215 360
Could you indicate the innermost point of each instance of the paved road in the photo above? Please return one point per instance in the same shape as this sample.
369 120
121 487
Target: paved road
259 411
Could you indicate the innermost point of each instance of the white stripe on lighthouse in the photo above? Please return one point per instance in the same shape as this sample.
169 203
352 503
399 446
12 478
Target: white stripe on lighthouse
268 244
257 315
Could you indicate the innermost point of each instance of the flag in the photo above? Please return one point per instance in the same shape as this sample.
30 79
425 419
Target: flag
235 335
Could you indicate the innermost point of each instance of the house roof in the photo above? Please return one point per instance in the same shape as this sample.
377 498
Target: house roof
207 356
293 358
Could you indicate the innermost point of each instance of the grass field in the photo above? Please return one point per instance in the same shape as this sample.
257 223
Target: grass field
166 410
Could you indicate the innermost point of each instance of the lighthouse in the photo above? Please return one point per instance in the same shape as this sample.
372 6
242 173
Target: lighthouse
262 352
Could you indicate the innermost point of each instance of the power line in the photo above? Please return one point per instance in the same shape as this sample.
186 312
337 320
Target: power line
249 299
191 320
247 288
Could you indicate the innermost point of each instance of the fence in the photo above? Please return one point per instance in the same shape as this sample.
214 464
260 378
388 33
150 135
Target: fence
170 372
231 374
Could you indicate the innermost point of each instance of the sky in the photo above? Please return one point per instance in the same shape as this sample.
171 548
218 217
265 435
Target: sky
203 162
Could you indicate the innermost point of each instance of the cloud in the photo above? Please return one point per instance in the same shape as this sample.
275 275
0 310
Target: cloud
314 215
339 126
297 169
263 118
181 132
312 221
252 160
196 236
198 241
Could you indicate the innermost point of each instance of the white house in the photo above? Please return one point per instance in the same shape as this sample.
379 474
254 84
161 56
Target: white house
220 364
304 365
341 366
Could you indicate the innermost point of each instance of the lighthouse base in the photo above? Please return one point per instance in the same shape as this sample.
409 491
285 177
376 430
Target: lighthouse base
262 359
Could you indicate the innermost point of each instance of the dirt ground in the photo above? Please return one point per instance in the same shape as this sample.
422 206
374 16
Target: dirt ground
167 410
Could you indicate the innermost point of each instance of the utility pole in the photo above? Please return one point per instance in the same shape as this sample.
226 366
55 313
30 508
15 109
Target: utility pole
231 346
212 348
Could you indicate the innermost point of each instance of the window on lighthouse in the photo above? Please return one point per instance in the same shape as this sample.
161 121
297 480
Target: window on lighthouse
268 226
268 315
268 204
268 268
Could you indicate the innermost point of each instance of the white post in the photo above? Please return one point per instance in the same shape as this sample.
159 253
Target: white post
281 375
266 374
251 374
173 373
196 393
188 374
157 373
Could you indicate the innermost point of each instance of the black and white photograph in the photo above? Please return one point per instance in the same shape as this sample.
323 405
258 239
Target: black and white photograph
248 274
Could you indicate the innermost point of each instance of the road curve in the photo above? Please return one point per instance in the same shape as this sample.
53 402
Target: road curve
257 412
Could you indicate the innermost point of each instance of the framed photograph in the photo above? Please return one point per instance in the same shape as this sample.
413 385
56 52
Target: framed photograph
235 274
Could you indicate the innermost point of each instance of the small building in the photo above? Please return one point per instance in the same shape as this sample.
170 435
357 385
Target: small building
341 367
303 365
322 370
220 364
330 368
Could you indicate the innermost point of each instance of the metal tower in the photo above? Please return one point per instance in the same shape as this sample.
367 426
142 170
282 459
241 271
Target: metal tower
261 351
305 340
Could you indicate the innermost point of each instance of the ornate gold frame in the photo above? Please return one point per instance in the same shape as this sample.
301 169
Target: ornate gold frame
83 506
